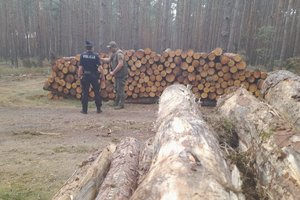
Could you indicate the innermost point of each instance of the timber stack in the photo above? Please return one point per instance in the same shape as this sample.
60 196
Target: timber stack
209 74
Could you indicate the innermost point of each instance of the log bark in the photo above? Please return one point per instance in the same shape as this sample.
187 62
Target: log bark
282 90
85 181
187 163
145 159
121 180
273 144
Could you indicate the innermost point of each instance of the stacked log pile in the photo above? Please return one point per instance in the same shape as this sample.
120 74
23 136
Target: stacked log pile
63 80
210 74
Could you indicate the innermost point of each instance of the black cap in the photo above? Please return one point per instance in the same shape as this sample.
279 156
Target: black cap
88 44
112 44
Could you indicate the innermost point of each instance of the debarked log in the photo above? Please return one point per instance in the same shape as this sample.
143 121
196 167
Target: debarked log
85 182
121 180
187 161
273 143
282 90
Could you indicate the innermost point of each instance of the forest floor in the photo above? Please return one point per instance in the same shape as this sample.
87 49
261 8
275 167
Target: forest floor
43 141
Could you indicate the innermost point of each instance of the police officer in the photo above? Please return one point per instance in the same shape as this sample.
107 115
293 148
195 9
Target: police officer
88 72
119 70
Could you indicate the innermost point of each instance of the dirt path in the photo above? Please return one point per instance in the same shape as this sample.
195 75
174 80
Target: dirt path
43 141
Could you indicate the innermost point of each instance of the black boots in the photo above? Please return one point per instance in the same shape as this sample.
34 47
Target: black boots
83 112
99 110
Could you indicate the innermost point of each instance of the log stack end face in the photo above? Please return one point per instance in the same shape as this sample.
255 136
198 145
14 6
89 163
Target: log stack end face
210 75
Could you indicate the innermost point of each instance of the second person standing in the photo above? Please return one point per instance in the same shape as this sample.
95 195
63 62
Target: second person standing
119 70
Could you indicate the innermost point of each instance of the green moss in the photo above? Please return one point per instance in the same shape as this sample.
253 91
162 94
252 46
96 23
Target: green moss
265 135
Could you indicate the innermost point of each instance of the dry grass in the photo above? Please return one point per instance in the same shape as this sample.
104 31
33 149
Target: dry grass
7 70
228 140
24 87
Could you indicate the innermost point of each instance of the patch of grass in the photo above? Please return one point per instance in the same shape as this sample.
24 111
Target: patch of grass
17 192
6 70
265 135
29 92
24 187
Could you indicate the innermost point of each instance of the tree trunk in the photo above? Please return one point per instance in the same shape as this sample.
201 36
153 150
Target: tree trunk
122 176
103 25
232 44
136 18
225 31
297 39
85 182
272 143
285 33
166 23
187 162
282 90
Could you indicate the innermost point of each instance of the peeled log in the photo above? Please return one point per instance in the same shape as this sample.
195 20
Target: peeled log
145 159
85 182
281 89
121 180
187 162
274 145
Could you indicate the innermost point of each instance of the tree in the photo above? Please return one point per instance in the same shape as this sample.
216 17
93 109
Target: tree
225 31
285 31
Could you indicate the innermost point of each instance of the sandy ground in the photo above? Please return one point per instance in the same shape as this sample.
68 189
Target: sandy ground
43 141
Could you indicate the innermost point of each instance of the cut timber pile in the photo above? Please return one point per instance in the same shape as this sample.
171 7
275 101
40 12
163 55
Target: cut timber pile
186 161
273 144
210 74
63 80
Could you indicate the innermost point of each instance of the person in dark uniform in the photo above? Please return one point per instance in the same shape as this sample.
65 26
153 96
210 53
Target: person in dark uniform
88 72
119 70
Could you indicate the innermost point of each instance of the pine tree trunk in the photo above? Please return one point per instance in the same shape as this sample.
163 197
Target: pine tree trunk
225 32
232 45
136 17
285 34
297 40
103 25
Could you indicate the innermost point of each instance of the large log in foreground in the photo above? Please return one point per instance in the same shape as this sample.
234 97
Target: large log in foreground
85 182
282 90
187 162
274 145
121 180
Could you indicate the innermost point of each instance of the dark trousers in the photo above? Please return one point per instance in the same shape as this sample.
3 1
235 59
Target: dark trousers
120 90
86 81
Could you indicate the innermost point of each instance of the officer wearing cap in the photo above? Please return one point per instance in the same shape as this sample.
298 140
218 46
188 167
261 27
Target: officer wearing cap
88 72
119 70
